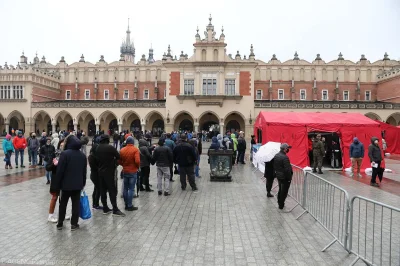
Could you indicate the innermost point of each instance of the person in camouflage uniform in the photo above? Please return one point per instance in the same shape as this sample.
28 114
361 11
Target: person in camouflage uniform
318 154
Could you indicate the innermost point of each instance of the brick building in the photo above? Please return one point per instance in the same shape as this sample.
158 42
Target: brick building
193 92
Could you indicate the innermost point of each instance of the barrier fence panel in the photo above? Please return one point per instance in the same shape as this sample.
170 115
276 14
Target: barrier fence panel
374 232
296 190
329 205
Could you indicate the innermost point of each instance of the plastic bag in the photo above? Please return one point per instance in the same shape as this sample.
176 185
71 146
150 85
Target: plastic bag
84 212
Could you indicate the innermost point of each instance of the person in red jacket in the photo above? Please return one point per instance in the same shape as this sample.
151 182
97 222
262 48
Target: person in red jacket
19 143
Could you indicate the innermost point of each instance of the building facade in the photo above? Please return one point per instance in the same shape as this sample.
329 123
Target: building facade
208 88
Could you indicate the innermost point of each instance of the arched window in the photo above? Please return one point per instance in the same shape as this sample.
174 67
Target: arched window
203 55
215 55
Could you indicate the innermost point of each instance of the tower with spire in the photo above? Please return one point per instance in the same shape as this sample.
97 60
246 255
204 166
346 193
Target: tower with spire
127 47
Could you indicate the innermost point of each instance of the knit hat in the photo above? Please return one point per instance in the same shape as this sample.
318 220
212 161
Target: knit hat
8 137
129 140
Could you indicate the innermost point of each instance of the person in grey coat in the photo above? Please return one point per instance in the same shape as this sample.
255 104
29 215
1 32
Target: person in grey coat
145 160
375 156
33 147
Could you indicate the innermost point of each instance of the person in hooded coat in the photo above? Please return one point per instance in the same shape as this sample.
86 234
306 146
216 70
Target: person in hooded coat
145 160
193 142
356 156
8 149
70 180
55 140
220 141
235 143
375 156
47 153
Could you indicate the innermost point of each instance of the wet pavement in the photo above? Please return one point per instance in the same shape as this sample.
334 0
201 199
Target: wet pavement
230 223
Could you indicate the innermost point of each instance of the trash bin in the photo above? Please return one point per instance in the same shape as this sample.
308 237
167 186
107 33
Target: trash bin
220 165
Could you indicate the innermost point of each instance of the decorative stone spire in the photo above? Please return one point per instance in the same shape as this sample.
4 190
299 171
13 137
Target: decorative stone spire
169 51
222 36
127 47
340 57
386 57
296 56
252 55
210 33
151 55
274 57
198 39
62 60
318 57
182 56
101 58
36 59
23 59
237 56
143 59
363 58
121 57
43 61
164 58
82 59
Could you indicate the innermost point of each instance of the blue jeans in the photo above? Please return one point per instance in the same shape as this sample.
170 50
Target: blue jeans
196 170
34 157
7 159
48 174
129 188
21 153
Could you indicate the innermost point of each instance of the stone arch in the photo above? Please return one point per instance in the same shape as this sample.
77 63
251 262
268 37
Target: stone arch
393 119
64 121
181 117
108 121
131 121
86 122
203 55
155 122
42 121
209 120
233 120
16 121
215 55
257 74
3 130
373 116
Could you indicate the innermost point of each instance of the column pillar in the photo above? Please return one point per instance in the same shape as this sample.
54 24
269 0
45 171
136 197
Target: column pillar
76 127
221 128
97 128
196 127
7 127
169 128
143 126
53 127
119 128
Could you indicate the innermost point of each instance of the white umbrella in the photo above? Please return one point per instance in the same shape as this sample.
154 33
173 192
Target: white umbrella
267 152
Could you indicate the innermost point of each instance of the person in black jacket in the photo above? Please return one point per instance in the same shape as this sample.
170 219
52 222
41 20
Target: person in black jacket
269 174
47 154
42 142
107 158
145 160
375 156
163 158
284 173
70 179
185 157
94 176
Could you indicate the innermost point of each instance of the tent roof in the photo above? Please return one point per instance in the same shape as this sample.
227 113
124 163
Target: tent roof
386 125
303 119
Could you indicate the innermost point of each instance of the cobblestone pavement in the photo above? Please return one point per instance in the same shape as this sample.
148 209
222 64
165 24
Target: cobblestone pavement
223 224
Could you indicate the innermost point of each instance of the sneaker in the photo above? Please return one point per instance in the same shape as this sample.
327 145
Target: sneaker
142 189
359 175
74 227
16 166
52 219
149 190
135 196
30 163
166 193
10 167
106 211
23 166
374 184
314 171
67 217
171 180
320 172
118 213
183 188
97 207
48 182
195 189
130 209
269 195
6 166
159 193
59 226
351 175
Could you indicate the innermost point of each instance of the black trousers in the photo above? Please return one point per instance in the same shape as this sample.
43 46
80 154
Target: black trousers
171 171
108 184
269 182
75 198
96 191
144 177
284 185
189 172
377 172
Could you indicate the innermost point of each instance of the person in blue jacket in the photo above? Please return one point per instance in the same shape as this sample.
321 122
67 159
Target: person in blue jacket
356 156
8 149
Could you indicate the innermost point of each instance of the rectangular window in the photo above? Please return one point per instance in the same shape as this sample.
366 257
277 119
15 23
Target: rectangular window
68 95
303 95
126 94
189 87
281 94
368 95
325 95
230 87
106 94
259 95
209 87
346 95
87 94
146 94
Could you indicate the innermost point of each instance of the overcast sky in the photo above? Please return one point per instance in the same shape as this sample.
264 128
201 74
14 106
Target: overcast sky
94 28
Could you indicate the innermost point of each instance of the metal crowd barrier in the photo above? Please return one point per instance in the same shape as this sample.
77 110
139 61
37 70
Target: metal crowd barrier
297 186
374 232
328 204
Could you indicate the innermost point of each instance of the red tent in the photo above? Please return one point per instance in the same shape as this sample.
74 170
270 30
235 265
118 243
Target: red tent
392 137
293 128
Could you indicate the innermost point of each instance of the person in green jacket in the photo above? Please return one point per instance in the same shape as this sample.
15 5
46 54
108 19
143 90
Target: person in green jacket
8 149
235 143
